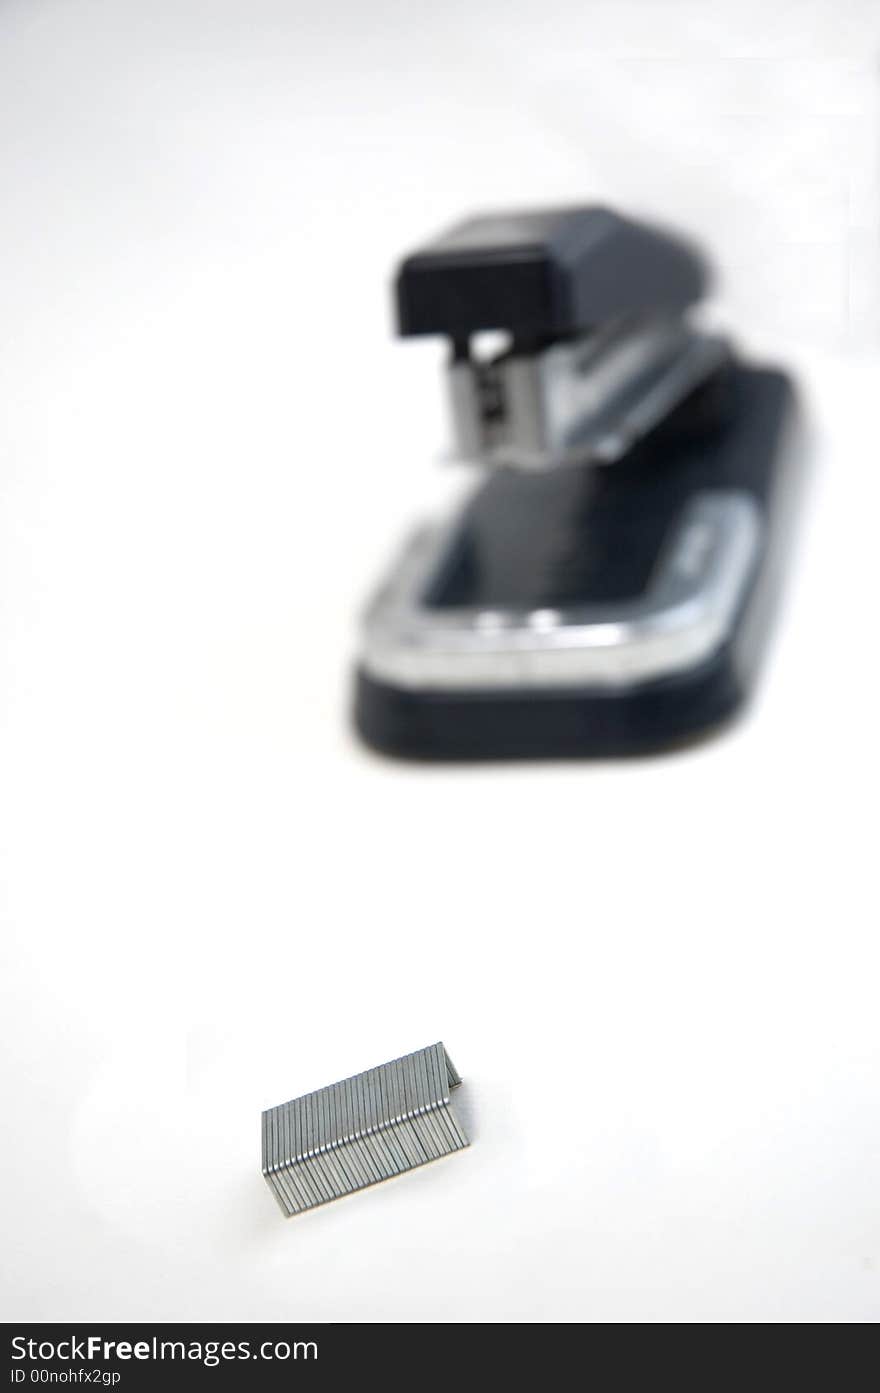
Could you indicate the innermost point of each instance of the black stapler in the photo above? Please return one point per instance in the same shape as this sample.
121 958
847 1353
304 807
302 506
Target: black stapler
600 593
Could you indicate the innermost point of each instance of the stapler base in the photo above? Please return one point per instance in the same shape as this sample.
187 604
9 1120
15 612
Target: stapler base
587 611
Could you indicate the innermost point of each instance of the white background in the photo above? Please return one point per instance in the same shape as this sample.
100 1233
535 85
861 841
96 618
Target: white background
659 979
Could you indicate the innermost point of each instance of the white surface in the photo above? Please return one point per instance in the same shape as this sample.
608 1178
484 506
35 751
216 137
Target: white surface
659 980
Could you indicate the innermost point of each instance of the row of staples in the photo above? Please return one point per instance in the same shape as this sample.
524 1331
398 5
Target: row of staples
365 1129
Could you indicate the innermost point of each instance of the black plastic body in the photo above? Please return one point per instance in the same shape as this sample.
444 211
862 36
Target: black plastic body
592 537
545 275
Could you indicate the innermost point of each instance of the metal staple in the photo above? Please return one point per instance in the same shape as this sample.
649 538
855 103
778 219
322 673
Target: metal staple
365 1129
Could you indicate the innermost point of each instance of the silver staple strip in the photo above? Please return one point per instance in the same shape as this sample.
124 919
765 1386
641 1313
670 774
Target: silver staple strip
362 1130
